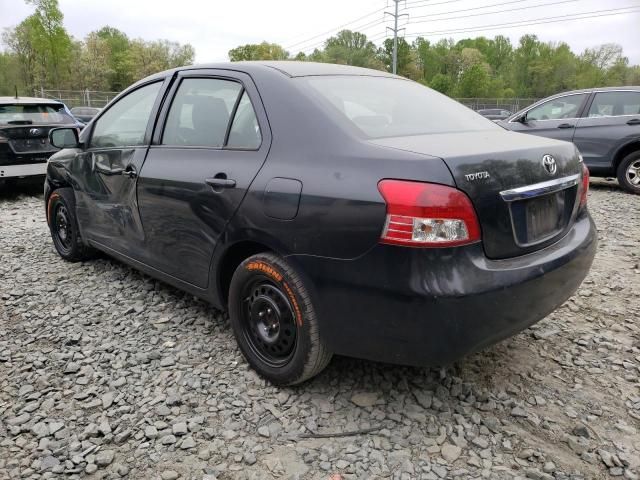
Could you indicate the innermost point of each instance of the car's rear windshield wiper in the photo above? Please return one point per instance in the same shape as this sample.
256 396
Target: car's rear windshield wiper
20 122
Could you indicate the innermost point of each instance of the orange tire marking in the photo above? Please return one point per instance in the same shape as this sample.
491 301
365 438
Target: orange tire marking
53 196
273 273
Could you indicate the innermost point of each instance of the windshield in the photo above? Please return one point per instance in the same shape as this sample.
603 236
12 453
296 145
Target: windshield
390 107
21 114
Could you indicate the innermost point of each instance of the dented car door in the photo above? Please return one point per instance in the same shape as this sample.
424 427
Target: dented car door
106 197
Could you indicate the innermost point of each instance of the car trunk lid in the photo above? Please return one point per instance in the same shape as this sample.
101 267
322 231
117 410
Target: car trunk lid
522 204
27 139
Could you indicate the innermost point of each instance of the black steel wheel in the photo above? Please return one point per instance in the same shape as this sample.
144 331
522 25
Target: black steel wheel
61 208
62 228
269 322
274 321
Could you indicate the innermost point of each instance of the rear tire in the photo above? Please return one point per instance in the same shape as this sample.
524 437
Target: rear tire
274 321
629 173
63 224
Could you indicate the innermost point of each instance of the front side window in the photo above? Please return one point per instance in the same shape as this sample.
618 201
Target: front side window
200 112
125 123
387 107
558 108
611 104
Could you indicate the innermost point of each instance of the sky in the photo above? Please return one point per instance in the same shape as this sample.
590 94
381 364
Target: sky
214 27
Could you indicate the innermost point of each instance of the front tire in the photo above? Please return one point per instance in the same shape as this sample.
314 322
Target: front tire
63 224
274 321
629 173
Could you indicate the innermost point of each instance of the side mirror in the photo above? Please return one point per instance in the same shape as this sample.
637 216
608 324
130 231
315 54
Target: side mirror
522 118
64 137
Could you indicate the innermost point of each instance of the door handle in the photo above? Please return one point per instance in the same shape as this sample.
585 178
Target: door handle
634 121
565 125
220 182
130 172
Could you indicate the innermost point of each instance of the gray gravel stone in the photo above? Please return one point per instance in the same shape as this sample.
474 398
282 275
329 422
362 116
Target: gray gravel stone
104 457
99 360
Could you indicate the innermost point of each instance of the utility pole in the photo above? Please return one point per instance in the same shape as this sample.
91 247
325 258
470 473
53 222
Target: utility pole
395 31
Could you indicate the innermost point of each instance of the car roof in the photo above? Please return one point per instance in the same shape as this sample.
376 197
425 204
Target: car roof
29 101
597 89
288 68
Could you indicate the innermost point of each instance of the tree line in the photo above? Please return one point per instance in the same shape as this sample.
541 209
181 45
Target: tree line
40 53
473 67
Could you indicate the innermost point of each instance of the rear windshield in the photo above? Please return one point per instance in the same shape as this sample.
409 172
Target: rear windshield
389 107
20 114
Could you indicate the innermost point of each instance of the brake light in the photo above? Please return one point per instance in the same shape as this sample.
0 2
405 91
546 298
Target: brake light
585 185
427 215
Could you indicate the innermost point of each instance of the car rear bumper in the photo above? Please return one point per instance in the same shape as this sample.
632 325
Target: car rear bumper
25 170
431 306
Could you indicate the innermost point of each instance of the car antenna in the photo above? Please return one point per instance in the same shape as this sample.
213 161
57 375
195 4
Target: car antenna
16 86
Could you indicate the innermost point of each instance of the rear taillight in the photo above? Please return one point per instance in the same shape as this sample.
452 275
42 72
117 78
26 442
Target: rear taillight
427 215
585 185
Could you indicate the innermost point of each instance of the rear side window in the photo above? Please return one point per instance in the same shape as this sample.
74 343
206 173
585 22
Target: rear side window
611 104
388 107
200 112
22 114
245 130
125 123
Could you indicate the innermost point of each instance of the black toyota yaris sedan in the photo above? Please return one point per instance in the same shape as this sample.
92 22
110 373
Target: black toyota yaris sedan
329 209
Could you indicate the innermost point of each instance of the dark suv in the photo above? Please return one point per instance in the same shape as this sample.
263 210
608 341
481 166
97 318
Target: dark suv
604 123
24 135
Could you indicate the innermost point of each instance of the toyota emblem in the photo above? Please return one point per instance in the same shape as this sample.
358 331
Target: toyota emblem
549 164
34 131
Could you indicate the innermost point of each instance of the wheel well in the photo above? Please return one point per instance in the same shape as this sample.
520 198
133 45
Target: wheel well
623 152
234 257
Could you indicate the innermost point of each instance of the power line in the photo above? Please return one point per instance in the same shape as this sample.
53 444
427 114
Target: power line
491 13
336 28
315 45
472 8
429 3
525 23
361 28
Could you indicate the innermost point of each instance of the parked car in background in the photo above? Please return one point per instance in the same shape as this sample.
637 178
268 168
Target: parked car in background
85 114
330 209
604 123
24 134
494 113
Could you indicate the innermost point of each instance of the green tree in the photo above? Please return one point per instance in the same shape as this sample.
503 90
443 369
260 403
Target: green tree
120 67
50 38
258 51
442 83
407 66
352 48
474 82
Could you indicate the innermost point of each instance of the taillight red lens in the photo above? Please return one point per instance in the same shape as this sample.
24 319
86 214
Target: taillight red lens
427 215
585 185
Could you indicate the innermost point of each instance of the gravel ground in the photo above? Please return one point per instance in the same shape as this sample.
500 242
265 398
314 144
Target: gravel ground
106 373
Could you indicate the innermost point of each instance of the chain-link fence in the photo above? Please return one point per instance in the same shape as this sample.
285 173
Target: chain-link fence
78 98
511 104
93 98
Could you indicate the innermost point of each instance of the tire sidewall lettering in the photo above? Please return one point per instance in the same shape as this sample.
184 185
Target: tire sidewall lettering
275 275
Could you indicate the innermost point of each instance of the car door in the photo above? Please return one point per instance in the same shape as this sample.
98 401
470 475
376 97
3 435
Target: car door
555 118
612 120
108 168
214 139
